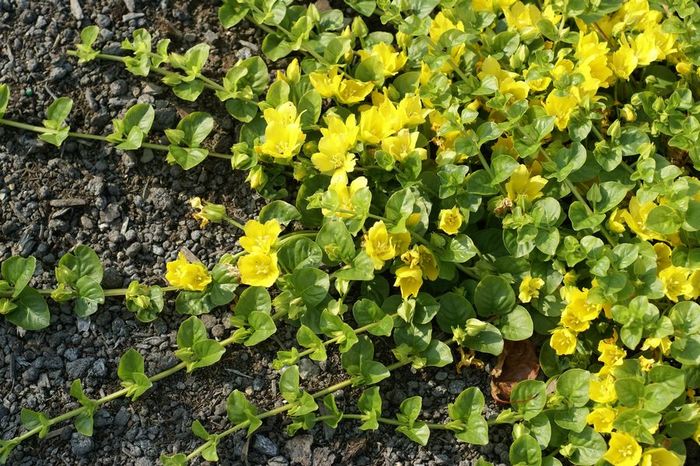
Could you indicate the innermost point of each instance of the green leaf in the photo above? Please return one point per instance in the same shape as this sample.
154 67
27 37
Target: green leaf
281 211
367 312
493 296
582 219
18 271
232 12
4 98
131 373
82 262
308 339
573 386
242 110
360 269
566 161
276 47
185 157
528 398
571 419
483 337
437 354
190 332
253 298
586 447
516 325
468 423
58 111
336 242
370 405
195 127
331 410
299 253
454 311
239 410
309 284
33 419
90 296
525 451
189 90
663 219
179 459
263 327
31 313
289 384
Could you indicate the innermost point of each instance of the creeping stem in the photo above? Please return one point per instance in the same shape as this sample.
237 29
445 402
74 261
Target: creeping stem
110 292
95 137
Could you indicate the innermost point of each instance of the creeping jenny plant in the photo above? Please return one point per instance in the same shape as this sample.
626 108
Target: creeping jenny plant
469 173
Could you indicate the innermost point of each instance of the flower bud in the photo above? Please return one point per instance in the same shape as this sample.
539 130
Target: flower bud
628 113
293 71
359 28
208 212
256 177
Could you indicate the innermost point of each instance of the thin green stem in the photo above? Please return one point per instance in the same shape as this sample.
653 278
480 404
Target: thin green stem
281 409
107 293
123 392
94 137
234 222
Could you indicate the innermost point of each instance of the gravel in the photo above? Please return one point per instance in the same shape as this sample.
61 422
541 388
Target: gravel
132 209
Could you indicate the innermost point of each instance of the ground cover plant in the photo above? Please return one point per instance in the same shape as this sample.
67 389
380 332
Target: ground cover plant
442 178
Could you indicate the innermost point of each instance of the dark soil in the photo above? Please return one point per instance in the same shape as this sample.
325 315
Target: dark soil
132 209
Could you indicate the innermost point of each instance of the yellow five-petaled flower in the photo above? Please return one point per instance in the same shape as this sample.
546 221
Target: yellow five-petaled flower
186 275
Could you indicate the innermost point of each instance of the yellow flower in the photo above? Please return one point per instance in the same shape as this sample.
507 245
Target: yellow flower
563 341
523 17
592 62
602 419
663 256
391 60
339 186
378 245
660 457
338 138
379 122
352 91
258 269
623 60
403 144
610 353
560 107
615 222
654 342
283 134
562 68
293 73
522 184
421 256
331 84
441 24
645 363
506 79
409 279
186 275
675 282
684 68
573 321
260 237
411 111
644 46
623 450
530 288
326 83
695 285
602 388
207 212
450 220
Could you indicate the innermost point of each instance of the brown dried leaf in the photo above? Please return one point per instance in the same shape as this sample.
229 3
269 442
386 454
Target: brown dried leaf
517 362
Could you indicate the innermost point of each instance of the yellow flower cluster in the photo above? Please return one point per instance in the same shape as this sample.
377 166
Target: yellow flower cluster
186 275
334 147
382 246
576 318
610 49
676 281
259 266
345 192
383 122
530 288
390 60
283 134
332 84
420 263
